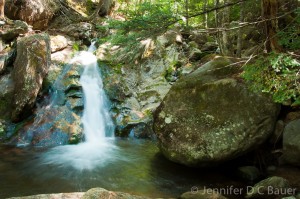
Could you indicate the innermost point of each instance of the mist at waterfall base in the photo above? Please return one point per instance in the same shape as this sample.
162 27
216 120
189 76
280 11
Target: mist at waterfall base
99 148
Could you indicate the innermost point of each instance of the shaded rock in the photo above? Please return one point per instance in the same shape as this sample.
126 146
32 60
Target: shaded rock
209 117
37 13
143 131
52 126
6 58
202 194
248 173
272 187
30 68
126 120
2 130
291 140
199 37
10 32
292 116
58 42
278 133
210 47
100 193
6 96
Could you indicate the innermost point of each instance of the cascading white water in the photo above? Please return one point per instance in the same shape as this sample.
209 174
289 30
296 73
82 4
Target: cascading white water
96 119
98 148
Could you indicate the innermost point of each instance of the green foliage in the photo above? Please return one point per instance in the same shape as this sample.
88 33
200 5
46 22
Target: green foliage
144 21
277 74
90 6
76 47
290 36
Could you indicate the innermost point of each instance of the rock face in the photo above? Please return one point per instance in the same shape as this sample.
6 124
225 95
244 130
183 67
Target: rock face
291 140
209 117
37 13
51 127
58 122
30 68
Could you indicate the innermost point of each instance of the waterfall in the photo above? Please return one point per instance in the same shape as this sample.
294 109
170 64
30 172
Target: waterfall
99 148
96 120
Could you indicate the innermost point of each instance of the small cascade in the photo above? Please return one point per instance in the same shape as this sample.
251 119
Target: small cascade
96 119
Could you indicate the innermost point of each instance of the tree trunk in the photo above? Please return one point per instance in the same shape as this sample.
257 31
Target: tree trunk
187 12
217 22
224 42
105 7
2 4
206 14
269 13
240 33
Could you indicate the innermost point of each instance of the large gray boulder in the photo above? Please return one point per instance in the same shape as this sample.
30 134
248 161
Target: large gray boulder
30 68
291 140
210 116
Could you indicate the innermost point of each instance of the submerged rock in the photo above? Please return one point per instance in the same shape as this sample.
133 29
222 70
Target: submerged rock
75 195
291 143
202 194
30 68
272 187
209 117
100 193
248 173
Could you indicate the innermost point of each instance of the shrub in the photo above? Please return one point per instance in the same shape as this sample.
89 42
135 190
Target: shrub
277 74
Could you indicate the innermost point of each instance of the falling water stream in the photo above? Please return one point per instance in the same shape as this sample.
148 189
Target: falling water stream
117 164
98 147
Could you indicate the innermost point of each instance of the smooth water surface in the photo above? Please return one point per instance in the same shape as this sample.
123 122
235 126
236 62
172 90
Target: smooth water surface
134 166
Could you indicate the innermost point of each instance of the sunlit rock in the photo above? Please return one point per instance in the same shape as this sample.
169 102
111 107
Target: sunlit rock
30 68
37 13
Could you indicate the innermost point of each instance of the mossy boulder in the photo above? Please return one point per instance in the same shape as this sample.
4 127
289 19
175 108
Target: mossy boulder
30 68
210 116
